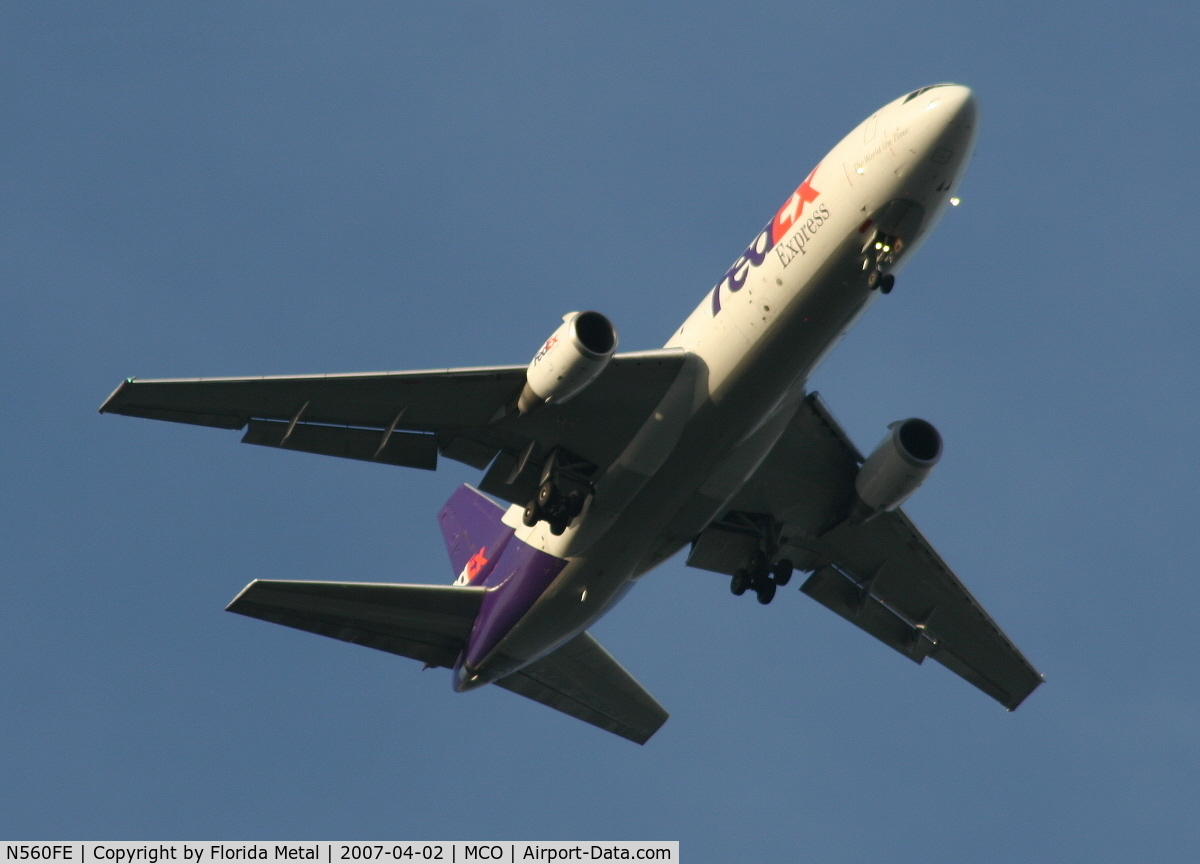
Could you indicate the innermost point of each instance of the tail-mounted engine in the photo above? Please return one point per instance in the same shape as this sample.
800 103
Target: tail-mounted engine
897 467
574 355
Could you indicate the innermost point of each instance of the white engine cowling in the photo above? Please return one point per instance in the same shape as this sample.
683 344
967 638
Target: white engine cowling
570 360
898 465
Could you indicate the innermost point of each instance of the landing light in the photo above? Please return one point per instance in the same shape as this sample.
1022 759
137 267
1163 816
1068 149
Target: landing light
954 202
931 105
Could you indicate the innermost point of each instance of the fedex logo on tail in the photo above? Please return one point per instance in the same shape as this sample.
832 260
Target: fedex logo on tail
785 220
475 534
474 566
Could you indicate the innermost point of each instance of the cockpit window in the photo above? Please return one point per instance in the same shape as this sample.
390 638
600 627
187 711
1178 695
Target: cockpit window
913 95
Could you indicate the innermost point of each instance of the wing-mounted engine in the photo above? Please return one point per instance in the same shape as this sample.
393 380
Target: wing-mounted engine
897 467
572 358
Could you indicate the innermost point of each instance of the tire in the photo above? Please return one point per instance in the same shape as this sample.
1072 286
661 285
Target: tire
766 593
533 514
887 283
575 504
547 495
557 527
782 572
739 583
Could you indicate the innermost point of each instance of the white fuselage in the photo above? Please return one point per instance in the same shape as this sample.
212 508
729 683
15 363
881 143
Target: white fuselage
749 352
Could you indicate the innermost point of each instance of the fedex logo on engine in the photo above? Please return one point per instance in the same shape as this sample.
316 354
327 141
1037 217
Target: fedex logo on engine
550 343
787 218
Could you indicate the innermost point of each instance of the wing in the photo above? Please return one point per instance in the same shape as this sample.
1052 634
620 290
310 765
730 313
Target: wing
881 575
408 418
429 623
582 679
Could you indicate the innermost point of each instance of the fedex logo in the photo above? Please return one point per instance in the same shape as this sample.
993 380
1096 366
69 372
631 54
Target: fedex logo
787 217
550 343
474 564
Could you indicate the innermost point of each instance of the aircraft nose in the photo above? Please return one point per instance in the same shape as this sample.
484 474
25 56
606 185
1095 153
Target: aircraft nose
944 104
957 103
951 113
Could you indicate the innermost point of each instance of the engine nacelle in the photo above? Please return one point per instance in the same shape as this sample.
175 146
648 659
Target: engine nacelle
570 360
898 465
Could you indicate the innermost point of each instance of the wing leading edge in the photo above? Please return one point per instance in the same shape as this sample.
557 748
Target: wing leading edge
882 575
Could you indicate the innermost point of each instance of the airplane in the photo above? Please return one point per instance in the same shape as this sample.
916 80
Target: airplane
610 463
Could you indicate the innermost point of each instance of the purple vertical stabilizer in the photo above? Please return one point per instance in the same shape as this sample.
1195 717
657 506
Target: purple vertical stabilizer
475 537
515 583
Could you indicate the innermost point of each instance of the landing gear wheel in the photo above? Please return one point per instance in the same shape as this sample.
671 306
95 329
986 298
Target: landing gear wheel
766 593
781 572
533 514
873 279
887 283
740 582
574 504
547 495
558 526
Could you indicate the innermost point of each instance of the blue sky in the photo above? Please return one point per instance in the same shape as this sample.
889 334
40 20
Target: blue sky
227 188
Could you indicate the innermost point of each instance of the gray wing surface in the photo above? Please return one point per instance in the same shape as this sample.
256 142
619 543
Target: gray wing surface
580 678
881 575
429 623
409 418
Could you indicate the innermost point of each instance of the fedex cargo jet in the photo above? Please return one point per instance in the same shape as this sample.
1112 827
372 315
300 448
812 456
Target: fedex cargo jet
612 462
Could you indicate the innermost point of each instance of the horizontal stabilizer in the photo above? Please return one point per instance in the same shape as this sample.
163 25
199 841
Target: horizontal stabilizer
429 623
583 680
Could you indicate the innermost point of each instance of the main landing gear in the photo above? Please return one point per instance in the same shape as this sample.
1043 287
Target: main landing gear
761 577
563 491
554 506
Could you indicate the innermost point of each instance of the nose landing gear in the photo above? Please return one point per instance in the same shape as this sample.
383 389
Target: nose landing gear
878 255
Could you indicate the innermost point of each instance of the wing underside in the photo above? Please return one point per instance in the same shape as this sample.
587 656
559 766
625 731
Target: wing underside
882 575
412 418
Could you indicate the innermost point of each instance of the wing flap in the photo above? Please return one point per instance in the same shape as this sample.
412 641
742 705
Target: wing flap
581 679
429 623
409 449
835 590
